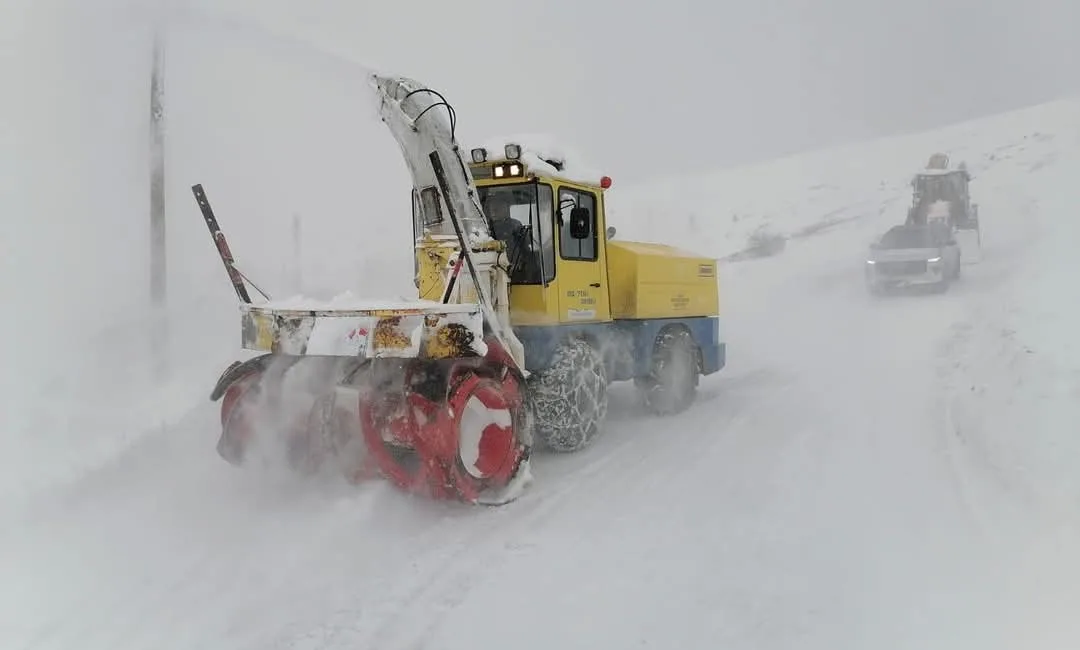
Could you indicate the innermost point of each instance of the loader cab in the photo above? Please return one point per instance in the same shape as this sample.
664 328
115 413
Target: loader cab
553 227
948 186
935 185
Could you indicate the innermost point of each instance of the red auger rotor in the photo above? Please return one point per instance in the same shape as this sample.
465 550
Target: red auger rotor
453 431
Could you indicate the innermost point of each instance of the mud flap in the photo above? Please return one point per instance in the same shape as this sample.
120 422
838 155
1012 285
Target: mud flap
970 242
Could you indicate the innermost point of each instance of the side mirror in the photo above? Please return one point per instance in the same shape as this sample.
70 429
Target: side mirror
611 232
580 223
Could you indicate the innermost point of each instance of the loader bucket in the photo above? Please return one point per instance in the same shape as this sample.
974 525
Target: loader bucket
970 242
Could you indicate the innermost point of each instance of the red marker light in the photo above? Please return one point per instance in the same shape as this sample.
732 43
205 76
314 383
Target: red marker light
605 182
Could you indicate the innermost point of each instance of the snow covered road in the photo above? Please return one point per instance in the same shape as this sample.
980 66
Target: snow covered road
817 496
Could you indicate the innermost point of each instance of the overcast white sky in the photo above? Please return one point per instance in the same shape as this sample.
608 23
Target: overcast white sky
649 86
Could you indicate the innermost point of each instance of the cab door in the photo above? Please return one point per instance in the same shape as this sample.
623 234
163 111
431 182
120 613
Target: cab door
581 270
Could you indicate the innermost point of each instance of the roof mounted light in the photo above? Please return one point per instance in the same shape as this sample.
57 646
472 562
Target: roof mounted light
605 182
508 170
479 155
512 151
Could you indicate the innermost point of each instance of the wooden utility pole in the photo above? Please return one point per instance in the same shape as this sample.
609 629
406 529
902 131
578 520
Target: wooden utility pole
298 261
158 268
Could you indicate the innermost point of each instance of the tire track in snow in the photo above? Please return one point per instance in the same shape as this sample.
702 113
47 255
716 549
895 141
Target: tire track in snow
640 457
1004 253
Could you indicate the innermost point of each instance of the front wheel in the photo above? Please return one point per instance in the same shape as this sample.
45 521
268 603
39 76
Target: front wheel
569 399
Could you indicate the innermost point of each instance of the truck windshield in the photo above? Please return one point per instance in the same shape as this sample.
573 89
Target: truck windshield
909 238
521 218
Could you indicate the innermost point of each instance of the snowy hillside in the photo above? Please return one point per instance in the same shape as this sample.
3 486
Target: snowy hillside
1007 400
892 473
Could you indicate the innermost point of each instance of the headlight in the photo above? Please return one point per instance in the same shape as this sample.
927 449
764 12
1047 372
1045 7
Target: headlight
512 151
479 155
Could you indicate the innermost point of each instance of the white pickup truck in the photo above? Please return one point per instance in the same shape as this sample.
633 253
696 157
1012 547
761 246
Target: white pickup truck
913 255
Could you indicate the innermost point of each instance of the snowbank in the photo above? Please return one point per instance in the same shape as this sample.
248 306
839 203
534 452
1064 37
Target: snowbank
1015 374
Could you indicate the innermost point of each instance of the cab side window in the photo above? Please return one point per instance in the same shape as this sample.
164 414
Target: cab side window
577 240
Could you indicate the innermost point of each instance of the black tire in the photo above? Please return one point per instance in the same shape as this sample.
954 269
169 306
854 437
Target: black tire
672 383
569 399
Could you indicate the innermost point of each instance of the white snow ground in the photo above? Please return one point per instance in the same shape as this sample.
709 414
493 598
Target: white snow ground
866 473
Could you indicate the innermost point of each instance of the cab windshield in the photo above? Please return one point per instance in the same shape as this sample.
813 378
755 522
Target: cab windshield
521 217
938 188
901 237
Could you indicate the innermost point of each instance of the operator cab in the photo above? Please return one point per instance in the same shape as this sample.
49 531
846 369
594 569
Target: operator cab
941 185
518 196
520 216
551 220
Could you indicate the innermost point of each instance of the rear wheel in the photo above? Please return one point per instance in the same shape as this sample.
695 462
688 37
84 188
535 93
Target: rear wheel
672 383
569 399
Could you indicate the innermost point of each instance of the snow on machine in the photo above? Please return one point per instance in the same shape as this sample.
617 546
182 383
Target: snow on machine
913 255
525 312
942 195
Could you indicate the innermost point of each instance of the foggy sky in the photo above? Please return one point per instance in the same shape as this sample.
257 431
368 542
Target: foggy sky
650 88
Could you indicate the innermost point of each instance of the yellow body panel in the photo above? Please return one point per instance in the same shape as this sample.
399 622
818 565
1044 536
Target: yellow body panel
532 304
432 257
658 281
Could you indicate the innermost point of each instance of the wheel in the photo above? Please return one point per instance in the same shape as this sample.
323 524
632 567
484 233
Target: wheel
569 399
672 384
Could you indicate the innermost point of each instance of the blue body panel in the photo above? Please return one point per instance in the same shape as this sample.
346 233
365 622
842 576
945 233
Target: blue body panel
626 344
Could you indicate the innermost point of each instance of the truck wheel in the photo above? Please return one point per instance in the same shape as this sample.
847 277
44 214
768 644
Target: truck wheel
569 399
672 384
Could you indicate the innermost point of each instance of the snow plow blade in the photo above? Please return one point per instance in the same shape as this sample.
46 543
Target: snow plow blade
970 241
